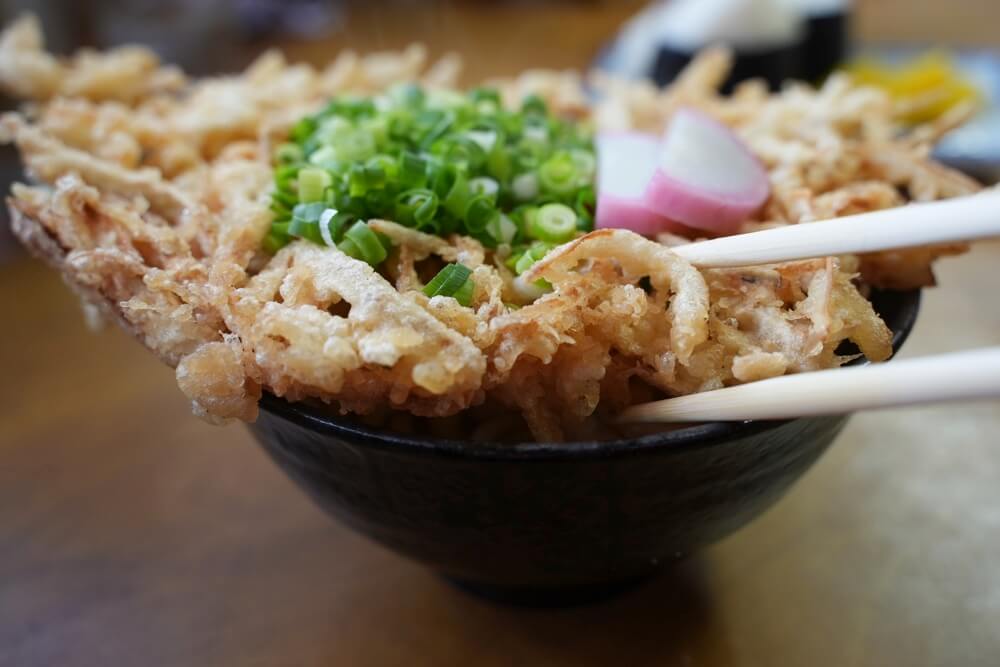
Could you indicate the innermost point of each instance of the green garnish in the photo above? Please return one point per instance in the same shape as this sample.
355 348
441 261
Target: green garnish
313 181
524 257
555 223
438 161
454 280
363 244
288 153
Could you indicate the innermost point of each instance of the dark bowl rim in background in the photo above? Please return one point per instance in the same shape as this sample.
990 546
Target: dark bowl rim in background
682 439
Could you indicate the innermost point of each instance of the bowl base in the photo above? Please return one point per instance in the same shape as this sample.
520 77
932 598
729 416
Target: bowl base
542 598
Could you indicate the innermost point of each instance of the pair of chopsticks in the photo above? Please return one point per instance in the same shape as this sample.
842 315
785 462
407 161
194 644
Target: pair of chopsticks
971 375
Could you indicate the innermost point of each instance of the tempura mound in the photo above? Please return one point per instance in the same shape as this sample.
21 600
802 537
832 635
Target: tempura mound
150 195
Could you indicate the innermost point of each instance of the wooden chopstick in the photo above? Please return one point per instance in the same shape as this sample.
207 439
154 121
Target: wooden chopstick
960 219
948 377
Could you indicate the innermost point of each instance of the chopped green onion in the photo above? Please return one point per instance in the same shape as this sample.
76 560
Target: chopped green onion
312 182
451 281
538 134
428 126
305 230
523 263
555 223
273 243
523 258
498 163
302 130
363 178
412 170
353 145
524 215
324 156
503 229
486 186
285 176
351 107
464 293
530 291
289 153
528 155
417 207
332 128
485 139
283 200
441 162
458 196
480 214
361 243
539 249
462 152
586 206
445 99
305 222
586 165
485 95
525 186
348 247
329 232
277 238
558 175
407 94
511 262
309 212
534 104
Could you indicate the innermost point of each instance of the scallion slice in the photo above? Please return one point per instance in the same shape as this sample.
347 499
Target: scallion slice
559 174
585 206
465 292
555 223
416 208
277 238
412 170
484 94
586 166
480 214
312 182
523 263
289 153
454 280
368 246
486 186
533 104
328 235
503 229
525 186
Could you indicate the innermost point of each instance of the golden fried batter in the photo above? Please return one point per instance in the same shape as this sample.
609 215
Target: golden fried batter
150 195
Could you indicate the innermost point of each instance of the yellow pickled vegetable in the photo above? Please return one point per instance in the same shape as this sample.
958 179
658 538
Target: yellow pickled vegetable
923 88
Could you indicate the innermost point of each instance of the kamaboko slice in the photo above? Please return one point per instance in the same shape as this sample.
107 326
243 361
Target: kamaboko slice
705 176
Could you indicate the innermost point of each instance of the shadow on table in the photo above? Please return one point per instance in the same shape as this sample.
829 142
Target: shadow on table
667 621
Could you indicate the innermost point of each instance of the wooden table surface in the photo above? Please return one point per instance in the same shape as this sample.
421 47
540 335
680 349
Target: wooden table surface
133 534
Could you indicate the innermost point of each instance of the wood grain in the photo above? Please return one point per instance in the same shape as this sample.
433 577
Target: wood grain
133 534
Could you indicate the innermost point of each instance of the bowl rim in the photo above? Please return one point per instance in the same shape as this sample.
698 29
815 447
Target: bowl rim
685 438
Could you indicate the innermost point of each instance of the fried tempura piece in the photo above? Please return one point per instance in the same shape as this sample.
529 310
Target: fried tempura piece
151 197
672 279
126 74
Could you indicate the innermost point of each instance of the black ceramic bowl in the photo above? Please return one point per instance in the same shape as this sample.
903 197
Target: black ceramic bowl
543 522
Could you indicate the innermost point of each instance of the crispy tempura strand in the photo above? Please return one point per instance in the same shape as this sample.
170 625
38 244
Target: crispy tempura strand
151 196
